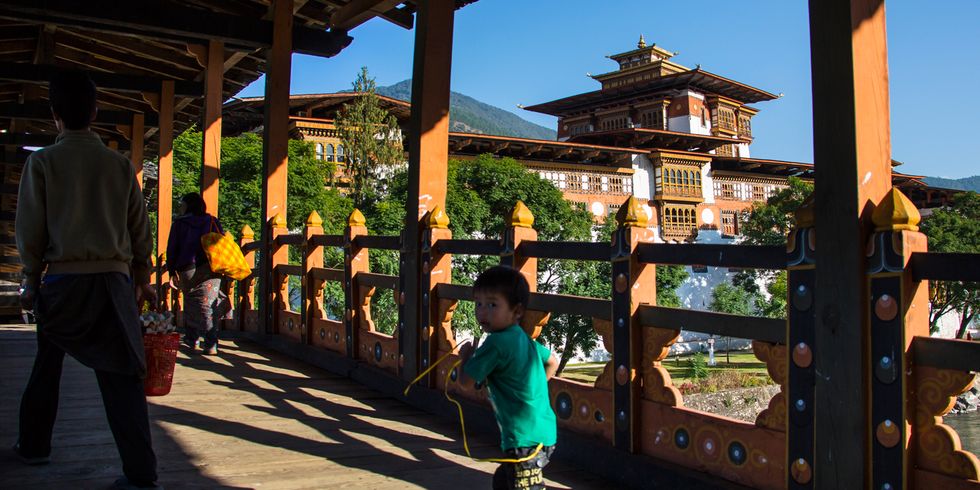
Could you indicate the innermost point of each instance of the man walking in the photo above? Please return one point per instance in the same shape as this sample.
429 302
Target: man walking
84 239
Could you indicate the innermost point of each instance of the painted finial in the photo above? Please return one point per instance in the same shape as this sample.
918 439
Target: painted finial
804 214
278 221
896 212
642 44
631 213
247 232
437 218
356 218
521 216
314 219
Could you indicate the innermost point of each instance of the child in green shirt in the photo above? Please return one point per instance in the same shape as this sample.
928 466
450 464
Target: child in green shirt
516 370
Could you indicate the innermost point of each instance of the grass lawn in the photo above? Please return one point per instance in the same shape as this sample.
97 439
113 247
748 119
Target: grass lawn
678 367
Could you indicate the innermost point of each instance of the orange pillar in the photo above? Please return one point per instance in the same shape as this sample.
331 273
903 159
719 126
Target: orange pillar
165 179
428 155
852 157
275 147
211 147
136 145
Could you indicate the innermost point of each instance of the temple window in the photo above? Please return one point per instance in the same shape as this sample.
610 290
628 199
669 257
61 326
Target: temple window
726 119
729 223
319 151
340 154
330 153
745 126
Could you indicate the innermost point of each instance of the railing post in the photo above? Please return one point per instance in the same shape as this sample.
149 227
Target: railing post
355 260
800 338
435 316
312 259
278 286
246 288
633 283
519 228
899 311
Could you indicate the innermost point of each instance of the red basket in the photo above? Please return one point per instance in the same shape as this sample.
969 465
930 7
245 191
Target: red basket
161 359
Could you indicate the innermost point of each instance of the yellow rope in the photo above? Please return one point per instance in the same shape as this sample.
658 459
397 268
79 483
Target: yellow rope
462 423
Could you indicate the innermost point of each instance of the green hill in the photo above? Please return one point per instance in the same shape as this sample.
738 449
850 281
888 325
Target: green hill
468 115
966 183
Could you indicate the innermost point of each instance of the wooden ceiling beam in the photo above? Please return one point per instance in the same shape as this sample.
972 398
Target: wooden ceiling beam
358 12
130 46
167 21
40 111
27 73
128 59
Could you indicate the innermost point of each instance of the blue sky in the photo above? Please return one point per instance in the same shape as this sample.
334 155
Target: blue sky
509 52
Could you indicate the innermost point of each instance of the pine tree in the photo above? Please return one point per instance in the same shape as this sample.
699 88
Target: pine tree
371 137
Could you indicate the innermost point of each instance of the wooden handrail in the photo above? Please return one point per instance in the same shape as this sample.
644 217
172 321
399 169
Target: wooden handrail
291 239
289 270
597 251
935 266
381 242
327 241
958 355
251 247
746 327
455 291
572 305
327 274
741 256
377 280
469 247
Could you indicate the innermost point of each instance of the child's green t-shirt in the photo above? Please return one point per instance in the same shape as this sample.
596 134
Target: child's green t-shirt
513 366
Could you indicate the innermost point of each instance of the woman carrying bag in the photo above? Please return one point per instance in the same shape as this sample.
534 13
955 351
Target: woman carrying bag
205 305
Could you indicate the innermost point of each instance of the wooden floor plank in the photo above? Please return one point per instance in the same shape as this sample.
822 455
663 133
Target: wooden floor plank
250 418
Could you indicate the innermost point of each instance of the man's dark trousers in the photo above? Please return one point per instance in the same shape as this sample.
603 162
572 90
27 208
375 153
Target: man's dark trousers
125 407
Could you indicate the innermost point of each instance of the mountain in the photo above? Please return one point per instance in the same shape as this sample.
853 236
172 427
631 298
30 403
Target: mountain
468 115
966 183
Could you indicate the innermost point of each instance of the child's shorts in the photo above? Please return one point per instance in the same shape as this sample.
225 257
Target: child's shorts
528 475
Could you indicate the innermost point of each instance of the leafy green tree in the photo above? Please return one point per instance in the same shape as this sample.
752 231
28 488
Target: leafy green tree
770 222
669 278
371 138
955 228
731 299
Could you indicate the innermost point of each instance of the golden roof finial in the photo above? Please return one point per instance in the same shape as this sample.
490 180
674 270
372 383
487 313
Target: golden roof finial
438 218
521 216
642 44
804 214
278 221
631 213
247 232
356 218
314 219
896 212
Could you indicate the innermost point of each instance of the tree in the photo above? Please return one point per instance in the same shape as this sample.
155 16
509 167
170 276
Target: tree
371 138
731 299
669 278
955 228
769 223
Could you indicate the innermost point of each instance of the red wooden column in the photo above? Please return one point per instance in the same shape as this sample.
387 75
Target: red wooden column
275 144
852 156
136 145
427 161
165 180
520 227
312 259
356 260
211 147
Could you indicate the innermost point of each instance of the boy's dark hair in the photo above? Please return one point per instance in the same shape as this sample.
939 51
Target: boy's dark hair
195 203
510 283
72 96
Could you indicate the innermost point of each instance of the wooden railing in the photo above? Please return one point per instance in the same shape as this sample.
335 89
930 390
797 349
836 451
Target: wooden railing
633 405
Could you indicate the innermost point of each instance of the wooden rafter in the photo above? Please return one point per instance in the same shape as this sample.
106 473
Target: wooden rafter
164 20
358 12
42 111
22 72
